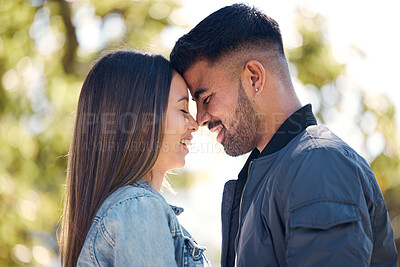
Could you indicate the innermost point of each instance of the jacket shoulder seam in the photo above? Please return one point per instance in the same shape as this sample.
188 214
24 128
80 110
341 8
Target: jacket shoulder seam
120 201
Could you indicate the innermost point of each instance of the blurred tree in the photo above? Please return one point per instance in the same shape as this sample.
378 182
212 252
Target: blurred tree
313 59
319 72
46 48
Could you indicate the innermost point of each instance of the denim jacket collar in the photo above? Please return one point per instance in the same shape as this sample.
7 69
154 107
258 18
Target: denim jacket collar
142 183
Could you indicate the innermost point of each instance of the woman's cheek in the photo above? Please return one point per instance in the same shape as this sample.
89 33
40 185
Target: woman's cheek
170 125
165 147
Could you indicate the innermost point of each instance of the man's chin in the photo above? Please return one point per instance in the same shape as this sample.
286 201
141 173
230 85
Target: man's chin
229 153
235 151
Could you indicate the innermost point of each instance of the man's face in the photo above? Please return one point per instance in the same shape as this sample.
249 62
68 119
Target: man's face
223 106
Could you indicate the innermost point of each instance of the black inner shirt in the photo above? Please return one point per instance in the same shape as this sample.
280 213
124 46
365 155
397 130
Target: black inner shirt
295 124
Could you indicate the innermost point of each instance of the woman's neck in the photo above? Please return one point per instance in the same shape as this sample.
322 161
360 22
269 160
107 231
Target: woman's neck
155 178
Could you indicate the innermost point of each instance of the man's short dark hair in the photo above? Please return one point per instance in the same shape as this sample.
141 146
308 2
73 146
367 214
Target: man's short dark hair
232 27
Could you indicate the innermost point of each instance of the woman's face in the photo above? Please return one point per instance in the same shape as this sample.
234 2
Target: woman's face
179 127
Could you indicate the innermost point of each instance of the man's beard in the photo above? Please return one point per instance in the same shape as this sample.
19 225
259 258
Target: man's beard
243 136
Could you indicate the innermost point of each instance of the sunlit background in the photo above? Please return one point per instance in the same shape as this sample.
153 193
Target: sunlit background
343 55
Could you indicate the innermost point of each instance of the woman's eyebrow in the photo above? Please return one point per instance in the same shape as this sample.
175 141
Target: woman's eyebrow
183 98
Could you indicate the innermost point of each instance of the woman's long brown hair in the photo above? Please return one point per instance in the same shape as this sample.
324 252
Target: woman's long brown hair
117 137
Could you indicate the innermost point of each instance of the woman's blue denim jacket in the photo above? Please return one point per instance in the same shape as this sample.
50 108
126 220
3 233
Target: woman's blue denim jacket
135 226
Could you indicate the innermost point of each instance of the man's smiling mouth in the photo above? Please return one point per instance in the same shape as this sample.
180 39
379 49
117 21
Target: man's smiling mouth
219 128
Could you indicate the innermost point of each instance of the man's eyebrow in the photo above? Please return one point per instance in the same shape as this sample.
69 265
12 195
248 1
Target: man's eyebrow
198 93
183 98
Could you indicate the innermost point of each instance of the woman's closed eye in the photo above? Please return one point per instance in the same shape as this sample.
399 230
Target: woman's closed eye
184 111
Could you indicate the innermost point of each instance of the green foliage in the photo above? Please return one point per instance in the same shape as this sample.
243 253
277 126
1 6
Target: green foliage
313 58
42 66
181 179
43 61
387 165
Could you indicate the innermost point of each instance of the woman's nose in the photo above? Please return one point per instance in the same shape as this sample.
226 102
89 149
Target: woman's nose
193 126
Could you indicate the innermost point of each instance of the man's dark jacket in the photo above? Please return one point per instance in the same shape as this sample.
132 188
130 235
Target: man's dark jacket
314 202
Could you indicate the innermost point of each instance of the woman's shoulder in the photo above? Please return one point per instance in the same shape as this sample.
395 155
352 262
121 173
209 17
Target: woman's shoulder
131 217
132 199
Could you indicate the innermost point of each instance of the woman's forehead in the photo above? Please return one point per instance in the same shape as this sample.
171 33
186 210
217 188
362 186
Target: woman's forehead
178 88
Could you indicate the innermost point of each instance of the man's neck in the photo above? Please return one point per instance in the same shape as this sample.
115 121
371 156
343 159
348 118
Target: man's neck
274 120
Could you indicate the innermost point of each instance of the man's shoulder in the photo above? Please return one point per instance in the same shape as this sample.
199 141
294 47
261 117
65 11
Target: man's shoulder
322 167
320 136
318 147
318 139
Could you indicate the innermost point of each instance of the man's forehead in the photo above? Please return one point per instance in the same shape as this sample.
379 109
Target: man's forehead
195 76
195 73
201 75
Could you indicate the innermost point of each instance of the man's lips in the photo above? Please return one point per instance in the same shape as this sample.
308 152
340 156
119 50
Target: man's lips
217 128
220 129
220 136
214 124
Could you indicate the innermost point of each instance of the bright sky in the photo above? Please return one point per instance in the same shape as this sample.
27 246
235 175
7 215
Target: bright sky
370 26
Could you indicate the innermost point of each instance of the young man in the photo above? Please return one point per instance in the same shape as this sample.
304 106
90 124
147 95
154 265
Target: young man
304 197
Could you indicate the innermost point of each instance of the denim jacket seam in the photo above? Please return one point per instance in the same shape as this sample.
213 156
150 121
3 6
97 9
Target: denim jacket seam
175 228
105 214
103 228
107 236
91 249
176 233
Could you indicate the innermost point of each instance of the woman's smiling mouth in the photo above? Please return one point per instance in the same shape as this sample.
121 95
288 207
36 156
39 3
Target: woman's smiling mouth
186 142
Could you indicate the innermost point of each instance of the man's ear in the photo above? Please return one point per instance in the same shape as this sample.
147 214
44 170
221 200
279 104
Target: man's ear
253 77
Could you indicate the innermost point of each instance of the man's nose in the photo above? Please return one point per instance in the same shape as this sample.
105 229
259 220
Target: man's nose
202 118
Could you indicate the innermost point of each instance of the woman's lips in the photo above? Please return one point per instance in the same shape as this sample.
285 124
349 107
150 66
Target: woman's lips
185 147
185 143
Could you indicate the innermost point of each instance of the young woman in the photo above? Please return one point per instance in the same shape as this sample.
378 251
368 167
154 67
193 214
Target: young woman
132 126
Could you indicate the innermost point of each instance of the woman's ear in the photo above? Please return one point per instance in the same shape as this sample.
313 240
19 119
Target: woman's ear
253 77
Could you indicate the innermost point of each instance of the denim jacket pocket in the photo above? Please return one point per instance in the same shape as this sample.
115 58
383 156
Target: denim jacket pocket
193 254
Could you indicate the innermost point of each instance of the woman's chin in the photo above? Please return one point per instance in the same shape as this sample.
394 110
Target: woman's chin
178 164
181 164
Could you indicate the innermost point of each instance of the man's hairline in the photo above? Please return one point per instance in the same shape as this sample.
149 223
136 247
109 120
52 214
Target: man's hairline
233 68
227 57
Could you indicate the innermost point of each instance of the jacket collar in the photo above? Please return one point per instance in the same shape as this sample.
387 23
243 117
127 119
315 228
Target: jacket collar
142 183
290 128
